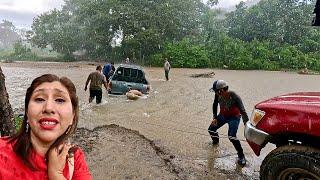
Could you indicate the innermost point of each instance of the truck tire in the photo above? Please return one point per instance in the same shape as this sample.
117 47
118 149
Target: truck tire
291 162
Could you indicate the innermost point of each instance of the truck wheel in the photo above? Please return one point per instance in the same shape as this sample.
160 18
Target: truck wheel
291 162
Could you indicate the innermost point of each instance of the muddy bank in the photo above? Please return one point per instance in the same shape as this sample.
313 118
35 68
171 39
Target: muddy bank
141 158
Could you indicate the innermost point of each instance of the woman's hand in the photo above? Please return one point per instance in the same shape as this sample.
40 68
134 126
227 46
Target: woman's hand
57 161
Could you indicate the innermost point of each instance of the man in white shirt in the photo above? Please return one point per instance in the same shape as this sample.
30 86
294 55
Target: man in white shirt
167 68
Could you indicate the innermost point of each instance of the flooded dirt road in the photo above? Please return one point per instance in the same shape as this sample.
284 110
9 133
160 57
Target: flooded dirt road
165 135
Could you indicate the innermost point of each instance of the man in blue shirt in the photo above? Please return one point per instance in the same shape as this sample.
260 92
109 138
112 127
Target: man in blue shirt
108 70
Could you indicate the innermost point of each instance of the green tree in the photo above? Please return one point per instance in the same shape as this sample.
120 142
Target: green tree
20 49
58 30
92 25
183 54
8 34
285 21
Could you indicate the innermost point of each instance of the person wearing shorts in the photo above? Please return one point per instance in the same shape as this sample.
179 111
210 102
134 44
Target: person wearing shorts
96 80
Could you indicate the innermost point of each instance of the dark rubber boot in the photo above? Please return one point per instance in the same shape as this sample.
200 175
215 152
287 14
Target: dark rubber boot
215 141
242 161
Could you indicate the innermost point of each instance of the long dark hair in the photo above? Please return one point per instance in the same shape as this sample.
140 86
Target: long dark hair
22 141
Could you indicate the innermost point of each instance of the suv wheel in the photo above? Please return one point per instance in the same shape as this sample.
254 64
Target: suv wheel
291 162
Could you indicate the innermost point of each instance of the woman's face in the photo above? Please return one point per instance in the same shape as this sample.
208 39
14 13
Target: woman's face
50 112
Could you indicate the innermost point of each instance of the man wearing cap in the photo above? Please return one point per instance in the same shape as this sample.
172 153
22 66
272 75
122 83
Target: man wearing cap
231 110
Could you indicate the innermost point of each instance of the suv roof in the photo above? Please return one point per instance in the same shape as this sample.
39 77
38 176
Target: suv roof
132 66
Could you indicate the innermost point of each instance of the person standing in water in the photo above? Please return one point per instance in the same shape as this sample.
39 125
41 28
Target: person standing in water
231 110
96 80
167 68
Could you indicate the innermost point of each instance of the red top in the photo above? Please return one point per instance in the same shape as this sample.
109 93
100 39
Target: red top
12 167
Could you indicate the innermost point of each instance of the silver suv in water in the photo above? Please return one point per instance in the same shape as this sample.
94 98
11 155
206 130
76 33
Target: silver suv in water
128 76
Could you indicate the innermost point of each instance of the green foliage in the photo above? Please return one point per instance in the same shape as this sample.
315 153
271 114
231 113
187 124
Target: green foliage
183 54
68 57
58 30
212 2
18 119
157 60
22 52
237 54
4 53
271 35
20 49
274 20
92 26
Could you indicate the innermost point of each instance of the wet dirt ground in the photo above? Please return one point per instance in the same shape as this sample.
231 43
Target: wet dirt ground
163 136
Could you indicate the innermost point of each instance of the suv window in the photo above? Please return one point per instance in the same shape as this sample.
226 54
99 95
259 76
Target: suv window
127 72
129 75
134 73
119 71
140 75
118 75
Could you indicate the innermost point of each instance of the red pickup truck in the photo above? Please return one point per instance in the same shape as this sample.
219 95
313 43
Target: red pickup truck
292 123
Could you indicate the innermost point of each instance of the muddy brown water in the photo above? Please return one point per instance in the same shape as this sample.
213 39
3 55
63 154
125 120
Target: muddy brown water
163 136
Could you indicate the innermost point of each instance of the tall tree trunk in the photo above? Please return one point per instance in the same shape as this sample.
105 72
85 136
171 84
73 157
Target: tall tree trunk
6 113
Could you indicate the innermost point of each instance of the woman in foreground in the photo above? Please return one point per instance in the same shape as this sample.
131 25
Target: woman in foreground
40 150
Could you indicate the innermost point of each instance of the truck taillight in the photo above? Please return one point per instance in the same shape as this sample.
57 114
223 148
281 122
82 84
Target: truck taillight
256 116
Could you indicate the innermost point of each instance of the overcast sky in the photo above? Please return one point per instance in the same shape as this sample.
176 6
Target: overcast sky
22 12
